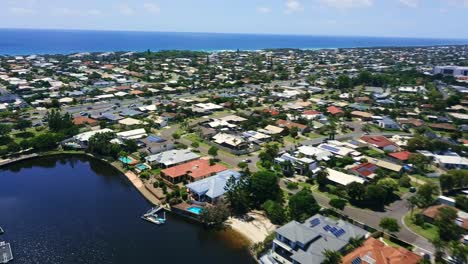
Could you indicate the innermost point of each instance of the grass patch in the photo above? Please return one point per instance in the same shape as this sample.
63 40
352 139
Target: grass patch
312 135
429 231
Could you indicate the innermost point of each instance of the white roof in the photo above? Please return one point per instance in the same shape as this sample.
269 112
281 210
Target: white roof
233 140
87 135
343 178
454 160
132 134
273 129
309 151
130 121
233 118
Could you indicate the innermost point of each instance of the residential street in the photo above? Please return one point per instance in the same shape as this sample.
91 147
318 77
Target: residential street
395 210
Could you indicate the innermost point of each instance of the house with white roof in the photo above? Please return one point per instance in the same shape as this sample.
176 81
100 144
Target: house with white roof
172 157
132 134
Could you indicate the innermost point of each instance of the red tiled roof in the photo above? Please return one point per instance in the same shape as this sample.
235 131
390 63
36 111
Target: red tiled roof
365 169
334 110
311 112
81 120
379 141
444 126
289 124
403 155
381 254
271 111
196 169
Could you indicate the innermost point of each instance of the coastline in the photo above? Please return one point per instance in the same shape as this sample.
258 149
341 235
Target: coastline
250 233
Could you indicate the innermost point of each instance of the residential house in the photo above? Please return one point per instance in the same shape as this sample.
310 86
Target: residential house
171 158
333 110
388 123
83 138
305 243
212 188
84 120
232 142
284 123
342 178
374 251
132 134
430 215
365 170
153 144
191 171
380 142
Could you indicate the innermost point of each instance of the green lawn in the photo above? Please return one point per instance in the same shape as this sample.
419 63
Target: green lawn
312 135
430 232
33 132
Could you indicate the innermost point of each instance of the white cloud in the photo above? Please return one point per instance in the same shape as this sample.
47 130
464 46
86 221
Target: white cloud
152 8
410 3
21 11
345 4
126 10
264 10
293 6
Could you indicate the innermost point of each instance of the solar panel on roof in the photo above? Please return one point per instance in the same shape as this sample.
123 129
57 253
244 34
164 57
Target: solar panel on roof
356 261
333 229
327 227
339 232
314 222
157 139
330 148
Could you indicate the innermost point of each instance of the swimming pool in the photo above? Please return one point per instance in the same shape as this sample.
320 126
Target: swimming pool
142 167
195 210
126 160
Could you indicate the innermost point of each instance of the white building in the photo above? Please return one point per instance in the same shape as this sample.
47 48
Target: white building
451 70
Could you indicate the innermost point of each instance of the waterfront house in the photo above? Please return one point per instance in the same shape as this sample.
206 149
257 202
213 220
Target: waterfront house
305 243
376 252
191 171
83 138
212 188
172 157
132 134
153 144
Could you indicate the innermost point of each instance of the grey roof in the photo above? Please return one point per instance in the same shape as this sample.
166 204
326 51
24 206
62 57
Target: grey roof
214 186
172 157
316 239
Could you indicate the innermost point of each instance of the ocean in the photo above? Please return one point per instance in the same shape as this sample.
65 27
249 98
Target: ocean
35 41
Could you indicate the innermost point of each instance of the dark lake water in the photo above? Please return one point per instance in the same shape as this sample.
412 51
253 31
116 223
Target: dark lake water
73 209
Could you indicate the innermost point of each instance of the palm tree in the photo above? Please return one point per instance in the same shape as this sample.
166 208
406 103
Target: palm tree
459 252
331 257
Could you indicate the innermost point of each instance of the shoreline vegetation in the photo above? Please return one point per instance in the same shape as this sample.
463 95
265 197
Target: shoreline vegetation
247 233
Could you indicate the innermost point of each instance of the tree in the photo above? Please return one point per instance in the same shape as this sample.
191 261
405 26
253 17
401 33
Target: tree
215 216
242 165
356 191
389 185
4 129
264 186
425 194
274 211
376 195
302 205
331 257
338 203
389 224
419 161
459 252
445 222
176 136
213 151
22 124
322 178
195 144
238 194
61 123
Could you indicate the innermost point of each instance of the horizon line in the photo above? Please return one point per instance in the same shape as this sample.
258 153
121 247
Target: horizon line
227 33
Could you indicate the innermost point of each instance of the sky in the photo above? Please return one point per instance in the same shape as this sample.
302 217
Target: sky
398 18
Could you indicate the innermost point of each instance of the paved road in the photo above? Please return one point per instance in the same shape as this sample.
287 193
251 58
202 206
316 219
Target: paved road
395 210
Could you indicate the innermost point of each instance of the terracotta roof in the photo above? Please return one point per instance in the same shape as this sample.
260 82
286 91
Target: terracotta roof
379 141
403 155
196 169
411 121
361 114
365 169
81 120
444 126
271 111
381 254
311 112
334 110
289 124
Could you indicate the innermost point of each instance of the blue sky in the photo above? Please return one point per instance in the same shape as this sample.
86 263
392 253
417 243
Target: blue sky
405 18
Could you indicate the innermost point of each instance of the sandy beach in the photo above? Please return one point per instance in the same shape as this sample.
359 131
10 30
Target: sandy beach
256 230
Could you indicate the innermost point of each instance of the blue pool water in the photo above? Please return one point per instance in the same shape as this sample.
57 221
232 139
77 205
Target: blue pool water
126 160
141 166
195 210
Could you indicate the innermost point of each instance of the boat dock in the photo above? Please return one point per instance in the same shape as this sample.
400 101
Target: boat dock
5 252
153 217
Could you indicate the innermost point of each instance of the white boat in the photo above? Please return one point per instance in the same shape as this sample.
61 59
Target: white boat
152 216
